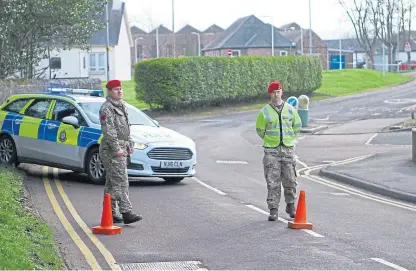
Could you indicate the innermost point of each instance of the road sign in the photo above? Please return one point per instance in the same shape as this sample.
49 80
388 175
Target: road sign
293 101
407 47
230 52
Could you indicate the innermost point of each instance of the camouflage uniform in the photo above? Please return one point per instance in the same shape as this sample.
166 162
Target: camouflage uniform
116 137
280 169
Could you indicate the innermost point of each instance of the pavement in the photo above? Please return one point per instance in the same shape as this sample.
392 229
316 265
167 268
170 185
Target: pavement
217 220
391 174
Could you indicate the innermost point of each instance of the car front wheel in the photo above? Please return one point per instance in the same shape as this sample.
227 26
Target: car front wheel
95 168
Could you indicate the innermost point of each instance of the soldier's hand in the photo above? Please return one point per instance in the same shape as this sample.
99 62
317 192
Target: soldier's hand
121 153
131 150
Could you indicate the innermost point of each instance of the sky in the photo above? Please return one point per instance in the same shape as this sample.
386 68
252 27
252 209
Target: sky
329 19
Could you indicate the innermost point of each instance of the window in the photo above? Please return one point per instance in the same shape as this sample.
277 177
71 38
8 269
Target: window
16 106
38 109
64 109
136 116
55 63
97 62
283 53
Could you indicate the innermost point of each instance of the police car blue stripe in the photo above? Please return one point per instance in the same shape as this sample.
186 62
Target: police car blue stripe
8 123
16 127
41 129
88 136
51 134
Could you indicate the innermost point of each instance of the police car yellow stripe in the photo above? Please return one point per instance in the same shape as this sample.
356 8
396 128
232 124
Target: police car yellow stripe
67 135
29 127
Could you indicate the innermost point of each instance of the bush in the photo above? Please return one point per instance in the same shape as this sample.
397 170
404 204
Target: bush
205 81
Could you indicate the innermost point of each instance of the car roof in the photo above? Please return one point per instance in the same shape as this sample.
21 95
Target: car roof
75 97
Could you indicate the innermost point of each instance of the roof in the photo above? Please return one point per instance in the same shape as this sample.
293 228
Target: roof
161 29
115 20
187 29
213 29
248 32
293 35
137 31
348 44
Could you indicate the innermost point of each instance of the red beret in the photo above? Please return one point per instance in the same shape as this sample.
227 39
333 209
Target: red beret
113 83
273 86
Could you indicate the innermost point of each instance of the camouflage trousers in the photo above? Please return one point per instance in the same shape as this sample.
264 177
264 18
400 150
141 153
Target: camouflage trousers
280 169
116 183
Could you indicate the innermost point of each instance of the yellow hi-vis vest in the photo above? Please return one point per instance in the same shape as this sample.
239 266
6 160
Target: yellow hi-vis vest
278 129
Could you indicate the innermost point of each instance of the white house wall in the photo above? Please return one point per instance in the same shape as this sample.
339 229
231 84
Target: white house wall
72 64
122 54
102 75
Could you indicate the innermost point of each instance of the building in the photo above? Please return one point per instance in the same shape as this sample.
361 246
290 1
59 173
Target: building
186 41
249 36
300 36
78 63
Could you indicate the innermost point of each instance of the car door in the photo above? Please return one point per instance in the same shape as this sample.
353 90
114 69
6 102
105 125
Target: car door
64 136
30 129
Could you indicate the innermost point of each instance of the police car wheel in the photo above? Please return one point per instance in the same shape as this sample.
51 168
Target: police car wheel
95 168
8 153
173 179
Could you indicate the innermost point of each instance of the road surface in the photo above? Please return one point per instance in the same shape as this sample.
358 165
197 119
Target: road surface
218 220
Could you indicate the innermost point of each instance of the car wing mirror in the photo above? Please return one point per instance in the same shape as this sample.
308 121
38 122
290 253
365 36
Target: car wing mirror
71 120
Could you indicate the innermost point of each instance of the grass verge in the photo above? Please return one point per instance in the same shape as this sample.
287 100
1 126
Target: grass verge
352 81
25 241
335 83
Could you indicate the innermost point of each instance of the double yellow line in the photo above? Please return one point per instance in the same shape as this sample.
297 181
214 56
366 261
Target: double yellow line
89 256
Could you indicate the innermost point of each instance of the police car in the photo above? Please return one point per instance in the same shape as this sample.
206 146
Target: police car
61 128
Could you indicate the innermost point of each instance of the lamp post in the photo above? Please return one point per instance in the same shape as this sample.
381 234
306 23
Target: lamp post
173 28
272 29
107 39
135 47
310 28
199 42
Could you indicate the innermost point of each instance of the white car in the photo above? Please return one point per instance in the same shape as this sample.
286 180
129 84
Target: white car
62 129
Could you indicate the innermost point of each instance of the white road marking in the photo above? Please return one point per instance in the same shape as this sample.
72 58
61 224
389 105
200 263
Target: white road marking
231 162
371 139
400 101
395 266
301 163
209 187
283 220
329 161
360 194
340 194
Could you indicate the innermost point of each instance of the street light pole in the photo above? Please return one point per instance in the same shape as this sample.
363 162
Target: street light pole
173 28
272 29
310 28
199 42
107 43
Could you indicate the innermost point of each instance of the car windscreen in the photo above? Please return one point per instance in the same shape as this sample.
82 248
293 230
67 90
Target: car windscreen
136 117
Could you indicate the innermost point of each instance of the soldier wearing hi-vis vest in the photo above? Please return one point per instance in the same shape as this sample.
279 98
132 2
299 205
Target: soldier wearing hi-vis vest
278 124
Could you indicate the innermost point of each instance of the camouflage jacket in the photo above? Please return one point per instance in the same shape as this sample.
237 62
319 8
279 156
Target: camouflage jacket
115 125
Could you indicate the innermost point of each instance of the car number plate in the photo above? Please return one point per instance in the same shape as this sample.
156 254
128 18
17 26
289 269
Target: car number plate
172 164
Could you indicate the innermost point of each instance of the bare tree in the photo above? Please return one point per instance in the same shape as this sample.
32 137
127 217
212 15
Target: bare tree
365 17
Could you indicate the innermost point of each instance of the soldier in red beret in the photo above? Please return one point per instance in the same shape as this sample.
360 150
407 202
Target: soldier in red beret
278 124
115 148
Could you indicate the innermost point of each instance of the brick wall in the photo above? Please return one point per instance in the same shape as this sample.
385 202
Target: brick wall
318 47
10 87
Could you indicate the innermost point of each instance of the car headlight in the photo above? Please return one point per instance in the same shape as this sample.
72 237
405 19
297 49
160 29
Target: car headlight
139 146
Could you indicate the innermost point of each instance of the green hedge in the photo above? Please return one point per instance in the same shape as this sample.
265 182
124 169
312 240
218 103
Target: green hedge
204 81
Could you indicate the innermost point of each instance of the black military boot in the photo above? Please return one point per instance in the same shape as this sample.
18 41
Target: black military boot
290 209
131 218
273 214
117 218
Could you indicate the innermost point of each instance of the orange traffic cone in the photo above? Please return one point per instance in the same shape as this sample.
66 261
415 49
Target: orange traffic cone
106 226
300 221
